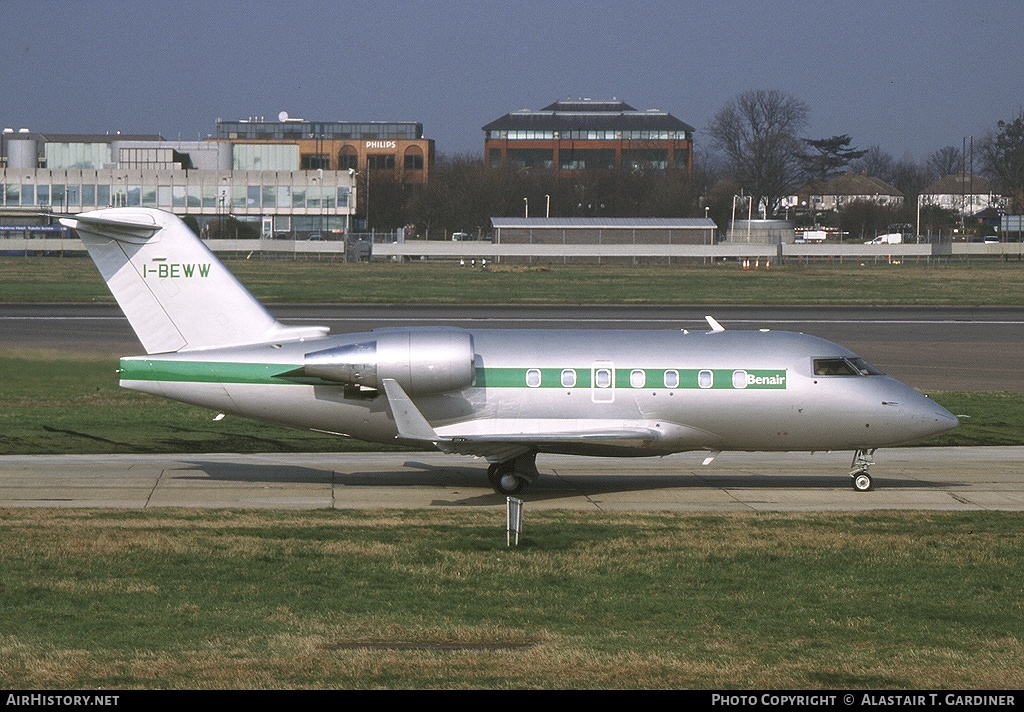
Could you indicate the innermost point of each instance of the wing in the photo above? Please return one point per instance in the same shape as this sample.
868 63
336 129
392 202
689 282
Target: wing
502 439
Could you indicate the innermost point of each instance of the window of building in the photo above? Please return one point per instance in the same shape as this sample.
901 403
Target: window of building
314 161
586 159
645 159
381 161
531 158
682 158
413 160
348 159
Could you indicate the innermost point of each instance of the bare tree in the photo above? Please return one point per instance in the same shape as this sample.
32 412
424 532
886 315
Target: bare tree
1002 154
757 133
876 162
946 161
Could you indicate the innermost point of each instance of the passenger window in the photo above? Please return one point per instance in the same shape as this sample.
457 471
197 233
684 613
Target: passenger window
637 378
739 379
671 379
603 378
705 379
569 378
533 377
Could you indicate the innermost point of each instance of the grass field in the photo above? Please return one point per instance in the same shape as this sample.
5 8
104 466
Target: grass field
434 599
296 281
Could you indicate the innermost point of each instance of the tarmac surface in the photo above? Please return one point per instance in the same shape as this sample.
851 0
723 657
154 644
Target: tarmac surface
964 479
929 348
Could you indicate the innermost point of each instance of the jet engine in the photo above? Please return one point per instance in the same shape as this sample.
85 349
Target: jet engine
422 361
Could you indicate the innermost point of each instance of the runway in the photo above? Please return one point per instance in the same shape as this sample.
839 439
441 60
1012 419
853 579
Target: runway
929 348
941 479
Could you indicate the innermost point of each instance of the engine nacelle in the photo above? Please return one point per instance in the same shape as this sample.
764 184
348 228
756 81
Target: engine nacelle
422 361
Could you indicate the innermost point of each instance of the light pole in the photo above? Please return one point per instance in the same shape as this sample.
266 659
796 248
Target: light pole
366 200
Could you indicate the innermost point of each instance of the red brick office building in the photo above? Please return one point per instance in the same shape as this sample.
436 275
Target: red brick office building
584 134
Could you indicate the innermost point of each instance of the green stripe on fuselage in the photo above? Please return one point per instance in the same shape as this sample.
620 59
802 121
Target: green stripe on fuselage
659 378
133 369
142 369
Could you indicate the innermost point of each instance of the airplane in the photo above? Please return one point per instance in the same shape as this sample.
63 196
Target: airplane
504 395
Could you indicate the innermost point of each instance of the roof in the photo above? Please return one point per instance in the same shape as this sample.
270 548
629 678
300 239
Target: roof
590 115
83 138
960 184
850 184
605 223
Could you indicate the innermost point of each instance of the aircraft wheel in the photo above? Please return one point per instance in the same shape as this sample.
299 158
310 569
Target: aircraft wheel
509 484
862 482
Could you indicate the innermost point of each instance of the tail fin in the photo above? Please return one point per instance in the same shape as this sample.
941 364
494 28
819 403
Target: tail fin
176 294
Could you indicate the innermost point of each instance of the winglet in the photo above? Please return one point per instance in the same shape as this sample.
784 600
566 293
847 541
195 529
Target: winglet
715 326
410 421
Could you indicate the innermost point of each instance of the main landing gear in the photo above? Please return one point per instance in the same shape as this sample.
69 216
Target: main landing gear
862 460
511 476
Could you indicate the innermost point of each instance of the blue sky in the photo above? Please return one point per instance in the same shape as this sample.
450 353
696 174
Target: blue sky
909 75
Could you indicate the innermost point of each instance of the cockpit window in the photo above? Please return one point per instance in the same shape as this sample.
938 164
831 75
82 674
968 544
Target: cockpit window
865 368
844 367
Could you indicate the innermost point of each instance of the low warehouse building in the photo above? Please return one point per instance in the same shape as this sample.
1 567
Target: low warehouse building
605 239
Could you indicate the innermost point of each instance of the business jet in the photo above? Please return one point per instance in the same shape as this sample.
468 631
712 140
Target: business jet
501 395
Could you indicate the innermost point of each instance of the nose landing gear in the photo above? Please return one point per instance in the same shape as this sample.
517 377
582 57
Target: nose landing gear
862 460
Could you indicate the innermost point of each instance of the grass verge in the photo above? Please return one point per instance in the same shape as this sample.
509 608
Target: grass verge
74 279
365 599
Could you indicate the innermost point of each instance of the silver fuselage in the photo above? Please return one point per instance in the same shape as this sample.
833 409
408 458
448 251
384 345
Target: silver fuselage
560 390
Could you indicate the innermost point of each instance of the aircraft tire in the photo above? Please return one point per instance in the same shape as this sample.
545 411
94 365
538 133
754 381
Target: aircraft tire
862 482
509 484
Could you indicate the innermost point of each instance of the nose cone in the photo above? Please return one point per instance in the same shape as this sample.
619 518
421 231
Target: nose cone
925 417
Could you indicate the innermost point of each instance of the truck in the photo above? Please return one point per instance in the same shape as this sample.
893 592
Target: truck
816 236
891 238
